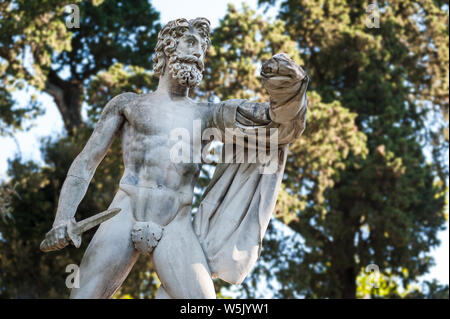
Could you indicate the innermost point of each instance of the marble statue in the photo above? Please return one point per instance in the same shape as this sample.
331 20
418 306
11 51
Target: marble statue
152 207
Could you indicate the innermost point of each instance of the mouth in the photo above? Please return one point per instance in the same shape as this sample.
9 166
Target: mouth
186 69
190 59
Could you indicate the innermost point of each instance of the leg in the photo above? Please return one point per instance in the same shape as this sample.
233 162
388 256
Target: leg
162 293
109 256
180 262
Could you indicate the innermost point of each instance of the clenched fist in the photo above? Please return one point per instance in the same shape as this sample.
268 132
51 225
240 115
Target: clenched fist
55 239
281 71
286 82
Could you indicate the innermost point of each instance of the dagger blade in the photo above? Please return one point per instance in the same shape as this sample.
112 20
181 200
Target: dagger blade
84 225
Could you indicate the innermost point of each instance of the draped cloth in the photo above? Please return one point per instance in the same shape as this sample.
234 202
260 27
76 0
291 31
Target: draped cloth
238 203
233 217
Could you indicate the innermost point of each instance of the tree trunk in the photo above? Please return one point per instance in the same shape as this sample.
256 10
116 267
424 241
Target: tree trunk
349 283
344 267
68 96
344 270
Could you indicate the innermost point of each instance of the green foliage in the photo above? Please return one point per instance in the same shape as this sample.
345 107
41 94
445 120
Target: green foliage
31 31
239 45
37 49
318 158
111 31
375 71
6 194
388 286
385 208
107 54
26 271
429 290
35 28
12 116
358 189
243 40
117 79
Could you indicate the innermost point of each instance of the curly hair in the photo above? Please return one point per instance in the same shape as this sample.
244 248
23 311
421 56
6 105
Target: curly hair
169 35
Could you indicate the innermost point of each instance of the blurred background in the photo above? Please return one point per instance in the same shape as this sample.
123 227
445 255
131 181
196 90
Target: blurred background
365 186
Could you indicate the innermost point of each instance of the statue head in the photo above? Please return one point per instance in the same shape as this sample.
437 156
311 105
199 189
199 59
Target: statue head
181 48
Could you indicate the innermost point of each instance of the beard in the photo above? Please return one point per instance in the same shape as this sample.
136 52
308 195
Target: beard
187 70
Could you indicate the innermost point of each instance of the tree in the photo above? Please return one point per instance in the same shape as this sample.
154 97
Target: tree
107 55
30 214
357 189
29 29
242 41
64 60
386 208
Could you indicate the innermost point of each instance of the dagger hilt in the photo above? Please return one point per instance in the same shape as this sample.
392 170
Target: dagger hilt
75 229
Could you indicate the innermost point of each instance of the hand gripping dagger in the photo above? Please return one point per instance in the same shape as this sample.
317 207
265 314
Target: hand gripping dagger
75 229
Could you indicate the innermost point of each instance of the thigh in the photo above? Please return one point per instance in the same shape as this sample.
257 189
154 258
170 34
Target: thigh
181 264
109 256
162 293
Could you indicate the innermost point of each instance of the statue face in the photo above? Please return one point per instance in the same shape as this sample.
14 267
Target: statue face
190 43
186 62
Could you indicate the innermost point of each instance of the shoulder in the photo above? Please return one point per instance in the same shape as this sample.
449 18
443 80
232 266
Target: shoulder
117 103
124 99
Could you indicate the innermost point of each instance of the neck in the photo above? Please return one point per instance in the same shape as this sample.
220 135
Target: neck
171 86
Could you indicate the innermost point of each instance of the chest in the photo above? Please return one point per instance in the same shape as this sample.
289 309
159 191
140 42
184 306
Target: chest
165 118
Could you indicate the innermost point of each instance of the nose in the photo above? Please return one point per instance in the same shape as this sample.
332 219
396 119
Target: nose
197 55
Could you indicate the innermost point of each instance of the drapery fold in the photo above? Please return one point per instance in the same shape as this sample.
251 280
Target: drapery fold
237 205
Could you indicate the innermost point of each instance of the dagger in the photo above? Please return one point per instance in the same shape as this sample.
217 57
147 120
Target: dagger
76 229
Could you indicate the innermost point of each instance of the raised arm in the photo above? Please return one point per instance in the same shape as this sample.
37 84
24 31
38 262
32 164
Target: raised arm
286 82
83 168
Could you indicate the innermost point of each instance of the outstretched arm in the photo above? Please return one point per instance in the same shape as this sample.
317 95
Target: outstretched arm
286 82
83 168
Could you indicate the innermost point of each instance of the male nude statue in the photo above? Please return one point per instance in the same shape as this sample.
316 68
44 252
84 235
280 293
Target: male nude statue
155 194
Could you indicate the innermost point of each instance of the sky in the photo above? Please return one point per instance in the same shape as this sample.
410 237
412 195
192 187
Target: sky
50 124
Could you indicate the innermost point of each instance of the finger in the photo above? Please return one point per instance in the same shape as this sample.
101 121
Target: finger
61 242
44 245
281 72
269 68
289 68
49 235
61 235
51 239
282 56
61 232
277 82
60 245
47 246
51 245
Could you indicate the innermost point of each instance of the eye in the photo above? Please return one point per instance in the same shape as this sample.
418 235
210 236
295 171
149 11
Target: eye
191 41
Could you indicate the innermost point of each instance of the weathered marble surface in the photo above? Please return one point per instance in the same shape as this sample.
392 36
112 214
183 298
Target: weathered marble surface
155 193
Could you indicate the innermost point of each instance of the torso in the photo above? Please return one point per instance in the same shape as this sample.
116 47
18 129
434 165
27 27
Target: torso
158 187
